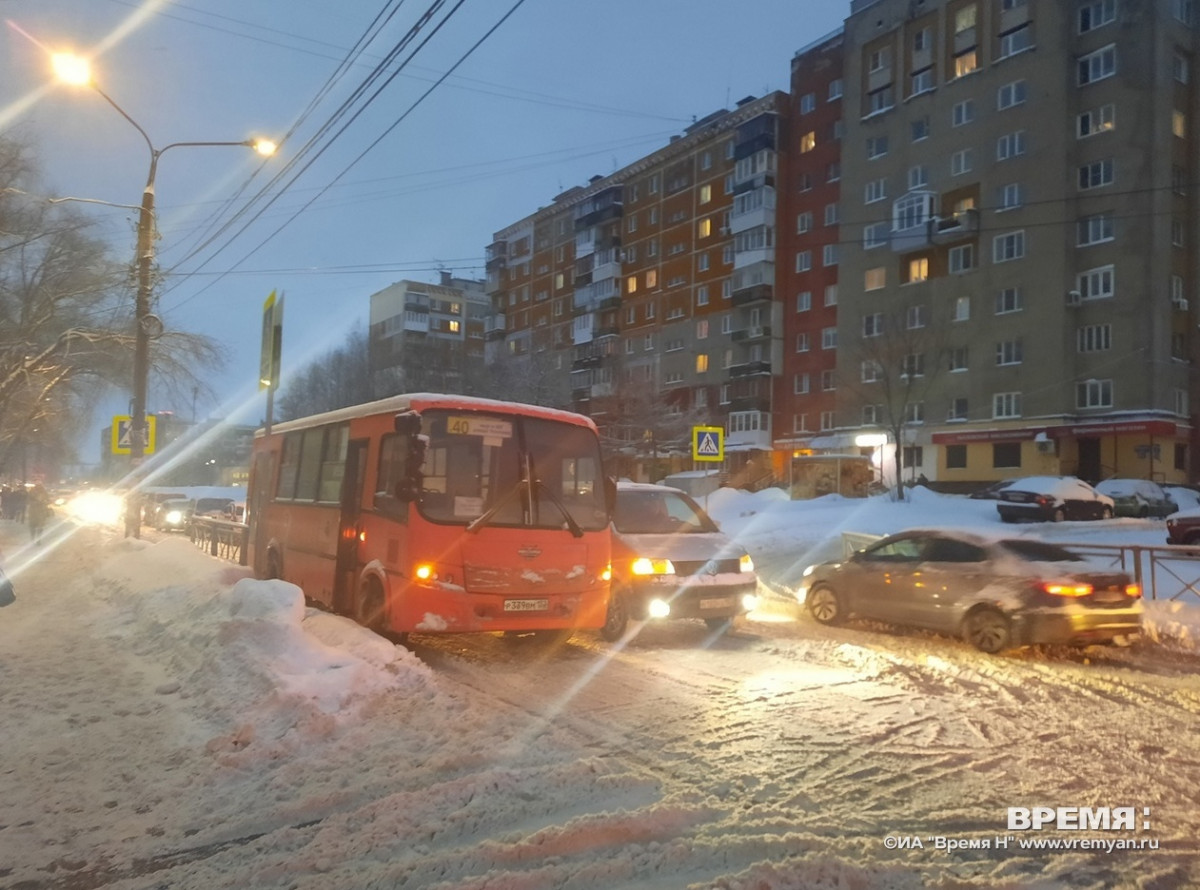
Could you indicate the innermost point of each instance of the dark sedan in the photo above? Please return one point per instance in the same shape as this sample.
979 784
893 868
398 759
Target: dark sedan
994 593
1052 499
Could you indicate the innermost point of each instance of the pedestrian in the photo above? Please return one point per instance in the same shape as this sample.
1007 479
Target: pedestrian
37 512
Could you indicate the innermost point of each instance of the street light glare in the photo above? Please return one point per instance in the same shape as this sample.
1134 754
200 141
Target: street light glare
72 69
264 147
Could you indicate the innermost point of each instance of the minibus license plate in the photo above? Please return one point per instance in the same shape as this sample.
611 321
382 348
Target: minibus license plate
723 603
526 605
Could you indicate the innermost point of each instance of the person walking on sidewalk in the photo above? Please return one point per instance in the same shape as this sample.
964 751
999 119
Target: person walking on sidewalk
37 512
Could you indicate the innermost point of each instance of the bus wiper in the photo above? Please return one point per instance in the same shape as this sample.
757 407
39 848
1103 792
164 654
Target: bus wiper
484 518
557 501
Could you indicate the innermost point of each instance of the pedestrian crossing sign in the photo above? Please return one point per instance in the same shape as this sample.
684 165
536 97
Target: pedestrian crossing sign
122 434
708 443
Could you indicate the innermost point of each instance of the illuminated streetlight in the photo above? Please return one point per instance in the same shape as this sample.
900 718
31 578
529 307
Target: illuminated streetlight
73 69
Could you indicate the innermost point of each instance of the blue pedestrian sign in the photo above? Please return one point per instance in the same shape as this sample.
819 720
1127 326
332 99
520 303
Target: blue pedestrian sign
708 443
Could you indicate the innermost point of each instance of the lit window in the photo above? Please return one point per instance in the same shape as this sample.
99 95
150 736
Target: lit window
705 194
874 279
701 363
704 228
808 142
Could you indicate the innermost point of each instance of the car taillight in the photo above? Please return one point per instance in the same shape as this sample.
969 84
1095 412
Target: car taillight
1043 500
1133 590
1059 589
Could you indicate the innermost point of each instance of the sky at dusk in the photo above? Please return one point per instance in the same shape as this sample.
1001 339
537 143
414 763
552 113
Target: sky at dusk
403 150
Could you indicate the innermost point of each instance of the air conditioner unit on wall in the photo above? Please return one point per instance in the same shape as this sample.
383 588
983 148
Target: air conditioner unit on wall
1074 298
1179 303
1050 446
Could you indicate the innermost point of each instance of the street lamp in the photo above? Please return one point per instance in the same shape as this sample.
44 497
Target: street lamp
75 70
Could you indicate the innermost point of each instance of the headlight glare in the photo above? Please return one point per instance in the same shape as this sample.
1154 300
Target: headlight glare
646 566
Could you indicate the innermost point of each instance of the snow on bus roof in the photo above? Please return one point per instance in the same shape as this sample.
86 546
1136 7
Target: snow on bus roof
418 401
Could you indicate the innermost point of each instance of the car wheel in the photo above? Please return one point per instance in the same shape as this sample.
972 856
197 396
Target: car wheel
824 605
616 619
1059 515
274 569
1106 513
988 630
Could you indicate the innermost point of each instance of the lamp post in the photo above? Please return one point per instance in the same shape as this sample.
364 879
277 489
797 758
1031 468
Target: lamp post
146 325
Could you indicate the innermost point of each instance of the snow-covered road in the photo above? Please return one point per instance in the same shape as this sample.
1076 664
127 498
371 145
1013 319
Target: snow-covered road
170 724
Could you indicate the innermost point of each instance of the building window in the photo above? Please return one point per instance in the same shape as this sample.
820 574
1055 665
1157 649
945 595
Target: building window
829 255
802 342
1009 352
702 295
803 301
915 317
803 222
1010 94
913 365
827 384
873 325
962 309
918 177
1094 338
1179 124
1006 404
1094 394
958 358
808 142
918 270
872 414
963 112
1010 145
966 62
831 214
808 102
1008 301
871 371
701 363
826 420
1093 15
1006 455
1016 40
803 260
956 457
875 235
1096 174
879 100
1094 230
1180 68
831 294
1098 65
835 89
921 81
877 147
1008 196
829 338
912 211
1096 284
876 190
1097 120
919 129
800 384
1010 246
874 279
702 329
962 258
964 19
960 162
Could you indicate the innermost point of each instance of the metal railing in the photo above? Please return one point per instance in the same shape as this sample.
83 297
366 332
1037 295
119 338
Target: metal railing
222 538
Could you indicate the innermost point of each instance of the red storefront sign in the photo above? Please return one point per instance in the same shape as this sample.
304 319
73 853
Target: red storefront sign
1148 427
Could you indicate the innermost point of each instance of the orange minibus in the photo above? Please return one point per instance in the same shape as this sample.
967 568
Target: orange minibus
428 513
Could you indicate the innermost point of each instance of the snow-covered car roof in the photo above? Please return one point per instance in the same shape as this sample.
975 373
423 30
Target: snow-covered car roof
1124 487
1059 486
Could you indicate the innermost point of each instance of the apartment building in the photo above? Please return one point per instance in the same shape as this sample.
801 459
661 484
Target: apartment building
652 290
1018 261
428 336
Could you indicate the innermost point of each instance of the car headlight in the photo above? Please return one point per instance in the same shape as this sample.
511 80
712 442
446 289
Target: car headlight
174 517
646 566
746 564
808 570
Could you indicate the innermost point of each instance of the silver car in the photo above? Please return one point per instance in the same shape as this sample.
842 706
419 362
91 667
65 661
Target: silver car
996 593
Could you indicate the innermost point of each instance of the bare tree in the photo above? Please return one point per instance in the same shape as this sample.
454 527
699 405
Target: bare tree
340 377
891 370
66 315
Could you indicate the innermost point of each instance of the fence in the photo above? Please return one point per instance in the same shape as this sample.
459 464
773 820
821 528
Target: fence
1165 571
222 538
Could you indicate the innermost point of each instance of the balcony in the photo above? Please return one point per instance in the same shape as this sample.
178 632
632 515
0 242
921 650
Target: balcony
749 369
750 334
598 216
496 255
759 404
757 293
956 227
